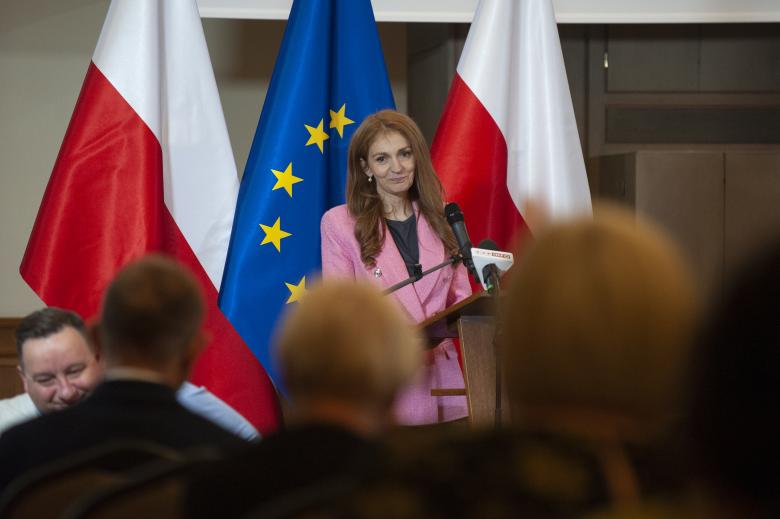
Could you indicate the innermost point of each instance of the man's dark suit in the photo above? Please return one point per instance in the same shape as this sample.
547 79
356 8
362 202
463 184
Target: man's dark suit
118 409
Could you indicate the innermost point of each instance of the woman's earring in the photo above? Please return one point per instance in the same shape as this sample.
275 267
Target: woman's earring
370 178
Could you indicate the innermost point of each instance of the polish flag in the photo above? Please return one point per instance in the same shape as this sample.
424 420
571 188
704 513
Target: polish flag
146 166
507 146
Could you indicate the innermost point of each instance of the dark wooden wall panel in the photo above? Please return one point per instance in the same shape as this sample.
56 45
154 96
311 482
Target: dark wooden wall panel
653 58
698 125
711 86
10 384
739 59
574 45
682 192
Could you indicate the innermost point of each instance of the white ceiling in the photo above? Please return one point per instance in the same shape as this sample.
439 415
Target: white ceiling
567 11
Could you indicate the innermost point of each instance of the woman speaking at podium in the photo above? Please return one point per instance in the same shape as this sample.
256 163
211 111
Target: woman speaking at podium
392 226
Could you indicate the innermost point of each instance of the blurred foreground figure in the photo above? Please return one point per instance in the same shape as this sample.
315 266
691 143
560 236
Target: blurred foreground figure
733 412
344 353
149 335
596 327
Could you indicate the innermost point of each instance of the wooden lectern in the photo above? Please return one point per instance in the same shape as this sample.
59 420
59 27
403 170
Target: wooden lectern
473 322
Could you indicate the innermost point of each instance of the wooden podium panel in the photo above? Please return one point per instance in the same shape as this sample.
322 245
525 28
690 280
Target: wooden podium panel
472 321
479 367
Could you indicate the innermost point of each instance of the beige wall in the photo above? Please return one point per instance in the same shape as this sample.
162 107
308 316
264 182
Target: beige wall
45 47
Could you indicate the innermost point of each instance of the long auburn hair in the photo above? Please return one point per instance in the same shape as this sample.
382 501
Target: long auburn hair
365 204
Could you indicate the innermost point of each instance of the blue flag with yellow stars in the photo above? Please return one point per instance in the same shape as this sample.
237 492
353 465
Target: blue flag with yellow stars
329 75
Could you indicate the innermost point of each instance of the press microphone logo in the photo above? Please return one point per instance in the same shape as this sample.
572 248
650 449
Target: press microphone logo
492 254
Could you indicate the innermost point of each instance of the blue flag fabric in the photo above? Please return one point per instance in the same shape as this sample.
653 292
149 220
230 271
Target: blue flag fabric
329 75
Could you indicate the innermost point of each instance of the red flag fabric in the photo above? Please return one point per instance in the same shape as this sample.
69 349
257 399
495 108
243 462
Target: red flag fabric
146 166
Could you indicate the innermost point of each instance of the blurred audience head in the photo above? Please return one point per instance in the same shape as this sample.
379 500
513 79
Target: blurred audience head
598 321
57 363
735 394
345 350
151 319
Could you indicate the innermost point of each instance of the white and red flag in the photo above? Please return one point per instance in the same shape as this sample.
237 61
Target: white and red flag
146 166
507 139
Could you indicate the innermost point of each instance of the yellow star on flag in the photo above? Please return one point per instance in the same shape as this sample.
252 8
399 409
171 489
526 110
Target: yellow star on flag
274 234
296 291
317 135
285 179
339 120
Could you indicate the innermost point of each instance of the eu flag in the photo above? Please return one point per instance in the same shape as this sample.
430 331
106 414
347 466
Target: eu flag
329 75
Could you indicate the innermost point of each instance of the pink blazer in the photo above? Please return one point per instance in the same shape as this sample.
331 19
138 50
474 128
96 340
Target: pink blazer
433 293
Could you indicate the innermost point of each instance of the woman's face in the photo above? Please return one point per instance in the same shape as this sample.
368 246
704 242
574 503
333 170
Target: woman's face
391 163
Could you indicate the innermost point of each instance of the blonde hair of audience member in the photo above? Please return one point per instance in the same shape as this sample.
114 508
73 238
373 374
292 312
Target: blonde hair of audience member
151 319
599 318
344 352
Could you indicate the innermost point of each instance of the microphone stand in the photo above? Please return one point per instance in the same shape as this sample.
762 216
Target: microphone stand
418 275
492 280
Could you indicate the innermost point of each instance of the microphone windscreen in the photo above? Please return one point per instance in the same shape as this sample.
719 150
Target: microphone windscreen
453 213
488 244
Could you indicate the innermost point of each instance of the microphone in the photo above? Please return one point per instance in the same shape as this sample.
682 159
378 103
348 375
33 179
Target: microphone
455 218
491 262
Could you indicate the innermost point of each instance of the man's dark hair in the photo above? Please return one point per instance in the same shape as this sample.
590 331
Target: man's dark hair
45 322
153 308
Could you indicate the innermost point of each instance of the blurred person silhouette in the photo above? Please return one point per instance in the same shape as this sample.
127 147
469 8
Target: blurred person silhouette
599 320
596 334
733 419
344 353
149 334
